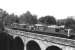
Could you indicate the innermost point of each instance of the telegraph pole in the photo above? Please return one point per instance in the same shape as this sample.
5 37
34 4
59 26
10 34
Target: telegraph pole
1 20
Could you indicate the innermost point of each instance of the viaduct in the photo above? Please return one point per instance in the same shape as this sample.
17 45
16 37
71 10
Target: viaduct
35 41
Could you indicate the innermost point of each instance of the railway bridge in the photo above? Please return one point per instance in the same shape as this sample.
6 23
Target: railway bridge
35 41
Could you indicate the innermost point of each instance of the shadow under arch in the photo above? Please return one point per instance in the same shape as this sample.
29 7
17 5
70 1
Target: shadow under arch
32 45
18 43
6 41
53 48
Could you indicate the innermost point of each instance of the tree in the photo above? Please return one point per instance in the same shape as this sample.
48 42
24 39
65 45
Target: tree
12 18
70 23
3 15
49 20
28 18
60 22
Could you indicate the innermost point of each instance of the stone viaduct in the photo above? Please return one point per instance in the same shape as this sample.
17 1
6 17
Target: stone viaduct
35 41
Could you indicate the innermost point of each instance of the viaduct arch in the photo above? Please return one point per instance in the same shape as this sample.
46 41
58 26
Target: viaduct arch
32 45
53 48
18 43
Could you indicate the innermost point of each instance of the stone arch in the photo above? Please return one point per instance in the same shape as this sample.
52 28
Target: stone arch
53 48
32 45
18 43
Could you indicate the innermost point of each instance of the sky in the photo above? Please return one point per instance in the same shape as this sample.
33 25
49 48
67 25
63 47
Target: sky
60 9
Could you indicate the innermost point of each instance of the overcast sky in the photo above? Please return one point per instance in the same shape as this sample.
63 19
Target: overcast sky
58 8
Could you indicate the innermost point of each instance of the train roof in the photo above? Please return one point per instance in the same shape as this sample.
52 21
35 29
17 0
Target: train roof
55 26
39 25
22 24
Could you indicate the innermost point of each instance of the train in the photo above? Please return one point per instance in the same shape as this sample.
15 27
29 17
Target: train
38 27
52 30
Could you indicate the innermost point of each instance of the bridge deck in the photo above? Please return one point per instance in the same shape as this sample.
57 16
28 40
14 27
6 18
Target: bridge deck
53 39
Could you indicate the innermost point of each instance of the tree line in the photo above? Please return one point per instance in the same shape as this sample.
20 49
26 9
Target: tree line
28 18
